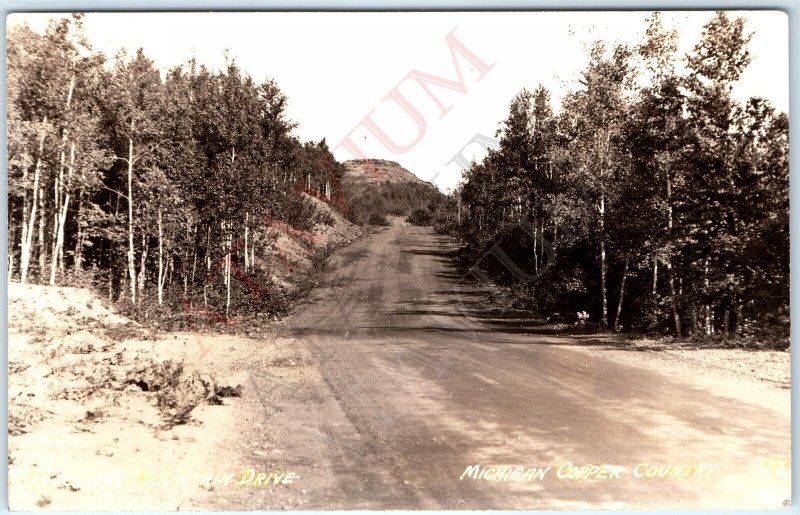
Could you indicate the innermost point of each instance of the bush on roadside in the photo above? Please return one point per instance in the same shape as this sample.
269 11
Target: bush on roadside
176 393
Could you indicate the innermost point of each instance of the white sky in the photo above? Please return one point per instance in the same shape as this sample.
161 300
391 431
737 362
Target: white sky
338 67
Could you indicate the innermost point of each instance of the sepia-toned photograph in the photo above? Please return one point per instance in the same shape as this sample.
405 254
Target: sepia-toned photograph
464 260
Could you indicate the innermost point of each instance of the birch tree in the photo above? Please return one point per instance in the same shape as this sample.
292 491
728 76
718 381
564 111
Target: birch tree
134 99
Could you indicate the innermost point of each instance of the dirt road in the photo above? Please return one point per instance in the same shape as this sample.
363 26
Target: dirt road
415 381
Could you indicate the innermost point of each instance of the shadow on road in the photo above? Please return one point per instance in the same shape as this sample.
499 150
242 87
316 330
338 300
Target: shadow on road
470 300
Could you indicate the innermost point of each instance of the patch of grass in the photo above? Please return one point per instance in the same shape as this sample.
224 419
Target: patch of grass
129 331
21 419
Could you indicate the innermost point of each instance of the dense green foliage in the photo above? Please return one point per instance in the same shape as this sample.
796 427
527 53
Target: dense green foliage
157 189
652 199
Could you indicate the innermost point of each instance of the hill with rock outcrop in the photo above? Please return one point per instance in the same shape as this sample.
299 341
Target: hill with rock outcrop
381 192
379 171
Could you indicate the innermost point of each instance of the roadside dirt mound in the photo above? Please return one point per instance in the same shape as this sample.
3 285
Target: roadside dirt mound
293 250
105 414
80 376
68 352
341 232
59 309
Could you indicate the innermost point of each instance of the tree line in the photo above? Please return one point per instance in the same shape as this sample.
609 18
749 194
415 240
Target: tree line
656 201
155 188
420 204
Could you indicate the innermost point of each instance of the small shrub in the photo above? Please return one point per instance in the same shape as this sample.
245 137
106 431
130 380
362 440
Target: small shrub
176 394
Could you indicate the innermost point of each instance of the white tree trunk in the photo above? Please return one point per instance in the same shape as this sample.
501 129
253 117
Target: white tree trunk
670 269
246 255
62 218
78 264
59 189
208 268
194 266
621 294
40 242
27 232
142 269
131 256
160 260
708 325
57 261
228 276
655 274
535 251
602 210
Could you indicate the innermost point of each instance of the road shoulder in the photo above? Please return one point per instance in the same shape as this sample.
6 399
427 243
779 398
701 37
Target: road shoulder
760 376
